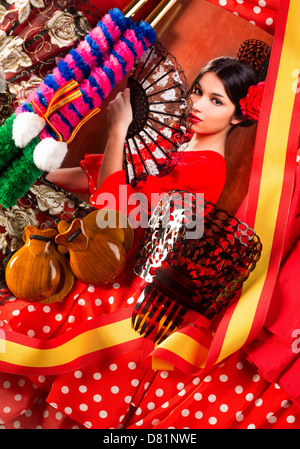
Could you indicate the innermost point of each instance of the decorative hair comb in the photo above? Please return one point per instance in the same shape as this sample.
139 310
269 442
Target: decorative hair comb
256 54
190 274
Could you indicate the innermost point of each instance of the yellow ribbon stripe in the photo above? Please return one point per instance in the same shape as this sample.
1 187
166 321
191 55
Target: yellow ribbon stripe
93 340
271 183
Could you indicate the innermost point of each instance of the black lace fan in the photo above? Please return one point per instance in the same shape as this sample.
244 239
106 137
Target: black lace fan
159 98
193 256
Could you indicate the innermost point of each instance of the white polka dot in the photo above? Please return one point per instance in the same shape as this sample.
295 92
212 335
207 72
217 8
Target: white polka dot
222 2
251 426
286 403
165 405
17 424
272 419
212 398
97 376
46 329
127 399
159 392
15 312
135 382
290 419
240 1
18 397
256 9
58 317
256 377
151 406
58 416
258 402
41 379
82 389
131 365
240 365
139 423
30 308
185 412
98 302
238 389
46 309
28 413
277 386
7 409
65 389
53 404
181 392
197 396
115 389
180 386
207 379
212 420
155 422
252 21
83 407
223 378
130 300
138 411
78 374
97 398
103 414
239 416
21 382
116 285
81 302
91 288
31 333
87 424
269 21
111 300
6 384
45 414
196 381
198 415
249 397
224 408
164 374
76 296
71 319
262 3
113 367
68 410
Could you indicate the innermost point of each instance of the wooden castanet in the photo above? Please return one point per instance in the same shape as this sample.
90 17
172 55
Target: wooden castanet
37 271
95 258
111 223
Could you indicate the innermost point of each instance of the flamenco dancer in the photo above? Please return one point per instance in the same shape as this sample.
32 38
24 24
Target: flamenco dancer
121 392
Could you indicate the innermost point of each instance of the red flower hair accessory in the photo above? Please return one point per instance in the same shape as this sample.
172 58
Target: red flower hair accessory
251 104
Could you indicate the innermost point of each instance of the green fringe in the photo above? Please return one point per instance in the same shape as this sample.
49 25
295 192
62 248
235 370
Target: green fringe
19 175
8 149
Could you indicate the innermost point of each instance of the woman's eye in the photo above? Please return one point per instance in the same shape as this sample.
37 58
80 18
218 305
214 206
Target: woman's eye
217 102
197 91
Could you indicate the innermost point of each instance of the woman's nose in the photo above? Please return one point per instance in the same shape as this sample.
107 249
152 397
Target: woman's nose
198 104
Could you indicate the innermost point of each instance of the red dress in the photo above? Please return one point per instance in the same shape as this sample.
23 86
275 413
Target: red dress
121 392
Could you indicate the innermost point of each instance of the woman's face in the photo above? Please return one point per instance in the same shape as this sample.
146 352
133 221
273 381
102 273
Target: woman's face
213 111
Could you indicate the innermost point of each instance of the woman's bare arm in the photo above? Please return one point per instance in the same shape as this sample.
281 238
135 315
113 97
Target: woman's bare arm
70 179
119 114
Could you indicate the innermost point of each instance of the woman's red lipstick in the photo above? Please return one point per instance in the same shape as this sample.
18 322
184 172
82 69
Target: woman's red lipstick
195 119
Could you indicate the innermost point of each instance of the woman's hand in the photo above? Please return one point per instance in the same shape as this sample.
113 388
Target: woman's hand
119 114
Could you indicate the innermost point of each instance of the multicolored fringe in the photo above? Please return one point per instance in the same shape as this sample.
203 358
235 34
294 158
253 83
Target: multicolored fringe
91 71
98 63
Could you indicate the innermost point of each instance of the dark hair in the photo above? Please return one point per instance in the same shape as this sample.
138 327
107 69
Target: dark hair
237 77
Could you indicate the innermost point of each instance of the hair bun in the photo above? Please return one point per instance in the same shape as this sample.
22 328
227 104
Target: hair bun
256 54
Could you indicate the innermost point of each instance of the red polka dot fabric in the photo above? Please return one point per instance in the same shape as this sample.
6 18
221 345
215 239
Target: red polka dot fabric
120 392
262 13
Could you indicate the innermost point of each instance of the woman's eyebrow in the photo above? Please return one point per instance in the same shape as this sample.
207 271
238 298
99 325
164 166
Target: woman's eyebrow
213 93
